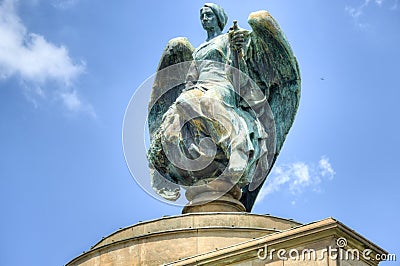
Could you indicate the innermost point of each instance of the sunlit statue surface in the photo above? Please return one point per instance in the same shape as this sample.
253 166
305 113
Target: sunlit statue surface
219 114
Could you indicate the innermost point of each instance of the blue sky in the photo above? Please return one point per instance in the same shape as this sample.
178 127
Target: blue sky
68 69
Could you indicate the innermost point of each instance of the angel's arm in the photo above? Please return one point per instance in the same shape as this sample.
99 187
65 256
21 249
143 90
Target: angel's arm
239 42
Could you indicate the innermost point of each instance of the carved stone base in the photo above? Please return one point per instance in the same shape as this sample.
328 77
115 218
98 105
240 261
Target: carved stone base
222 204
214 196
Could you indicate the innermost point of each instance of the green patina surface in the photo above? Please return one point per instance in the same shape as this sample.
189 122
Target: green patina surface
273 86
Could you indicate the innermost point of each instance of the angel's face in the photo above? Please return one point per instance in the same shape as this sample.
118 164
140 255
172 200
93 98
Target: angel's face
208 19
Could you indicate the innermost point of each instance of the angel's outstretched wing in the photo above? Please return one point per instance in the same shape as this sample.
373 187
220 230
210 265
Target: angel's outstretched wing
273 66
163 94
168 85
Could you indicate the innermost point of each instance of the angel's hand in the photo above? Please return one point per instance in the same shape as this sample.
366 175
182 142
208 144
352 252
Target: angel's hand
238 38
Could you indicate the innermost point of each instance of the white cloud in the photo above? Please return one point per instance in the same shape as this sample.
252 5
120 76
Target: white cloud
297 177
30 55
64 4
357 12
74 104
34 60
353 12
71 100
326 169
29 90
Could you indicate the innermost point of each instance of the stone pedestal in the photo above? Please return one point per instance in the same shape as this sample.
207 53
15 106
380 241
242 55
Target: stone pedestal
231 239
215 196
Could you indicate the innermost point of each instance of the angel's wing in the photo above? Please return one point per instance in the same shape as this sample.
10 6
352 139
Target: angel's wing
163 94
273 66
167 86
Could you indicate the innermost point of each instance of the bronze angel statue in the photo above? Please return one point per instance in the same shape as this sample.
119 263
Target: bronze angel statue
222 111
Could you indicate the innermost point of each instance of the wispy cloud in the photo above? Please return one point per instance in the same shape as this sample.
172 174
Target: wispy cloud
74 104
358 11
325 168
64 4
34 60
297 177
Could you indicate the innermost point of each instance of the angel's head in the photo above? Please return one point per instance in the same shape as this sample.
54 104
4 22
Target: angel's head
213 17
